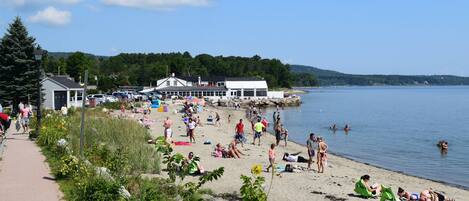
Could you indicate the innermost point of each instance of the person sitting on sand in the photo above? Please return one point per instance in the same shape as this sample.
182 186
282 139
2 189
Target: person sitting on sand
294 158
407 196
194 166
365 190
322 155
347 128
220 151
430 195
233 151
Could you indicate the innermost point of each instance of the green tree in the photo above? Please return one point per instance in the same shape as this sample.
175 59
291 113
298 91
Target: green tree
18 67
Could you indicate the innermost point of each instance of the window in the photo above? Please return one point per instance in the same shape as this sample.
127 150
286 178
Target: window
261 92
223 93
175 82
168 83
248 92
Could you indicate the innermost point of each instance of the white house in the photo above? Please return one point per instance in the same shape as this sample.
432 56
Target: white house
224 87
61 90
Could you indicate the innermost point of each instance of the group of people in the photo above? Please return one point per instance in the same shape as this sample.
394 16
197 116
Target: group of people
334 128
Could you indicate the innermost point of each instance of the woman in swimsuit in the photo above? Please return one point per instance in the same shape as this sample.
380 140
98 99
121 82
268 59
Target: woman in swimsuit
322 155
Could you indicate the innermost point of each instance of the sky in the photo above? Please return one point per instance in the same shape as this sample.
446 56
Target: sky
421 37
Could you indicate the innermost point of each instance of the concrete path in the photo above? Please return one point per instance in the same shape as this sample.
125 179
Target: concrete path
24 174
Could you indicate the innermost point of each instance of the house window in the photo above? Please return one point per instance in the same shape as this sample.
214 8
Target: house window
175 83
248 92
168 83
223 93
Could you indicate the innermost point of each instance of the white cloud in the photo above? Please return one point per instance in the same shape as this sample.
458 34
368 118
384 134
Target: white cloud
156 4
52 16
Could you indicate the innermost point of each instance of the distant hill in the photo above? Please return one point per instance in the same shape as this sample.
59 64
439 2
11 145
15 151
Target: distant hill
334 78
67 54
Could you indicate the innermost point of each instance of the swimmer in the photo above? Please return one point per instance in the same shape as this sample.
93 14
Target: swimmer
347 128
443 144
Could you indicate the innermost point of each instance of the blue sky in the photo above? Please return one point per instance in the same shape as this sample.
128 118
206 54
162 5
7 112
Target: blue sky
353 36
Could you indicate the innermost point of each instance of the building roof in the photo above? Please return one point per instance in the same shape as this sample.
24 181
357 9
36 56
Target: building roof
65 81
202 78
192 88
244 79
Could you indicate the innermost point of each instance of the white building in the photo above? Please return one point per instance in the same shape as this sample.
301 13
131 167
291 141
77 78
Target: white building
61 90
224 87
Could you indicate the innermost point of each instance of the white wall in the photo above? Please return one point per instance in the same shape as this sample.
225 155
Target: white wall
48 91
173 82
246 84
275 94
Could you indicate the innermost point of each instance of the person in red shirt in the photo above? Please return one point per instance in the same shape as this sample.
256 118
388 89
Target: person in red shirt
5 122
239 129
265 123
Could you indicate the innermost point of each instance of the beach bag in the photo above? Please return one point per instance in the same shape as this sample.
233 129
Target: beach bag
18 125
361 189
288 168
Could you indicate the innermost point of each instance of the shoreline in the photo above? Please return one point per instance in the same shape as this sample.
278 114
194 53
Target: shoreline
338 180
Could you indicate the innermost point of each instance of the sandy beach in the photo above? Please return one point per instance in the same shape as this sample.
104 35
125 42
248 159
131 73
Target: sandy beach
336 182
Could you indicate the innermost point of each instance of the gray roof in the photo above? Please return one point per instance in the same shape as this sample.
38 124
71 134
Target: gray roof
193 88
65 81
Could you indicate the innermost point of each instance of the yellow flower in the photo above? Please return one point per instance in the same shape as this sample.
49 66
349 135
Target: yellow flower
256 170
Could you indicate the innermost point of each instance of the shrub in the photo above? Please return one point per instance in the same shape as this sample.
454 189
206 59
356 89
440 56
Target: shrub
252 189
95 187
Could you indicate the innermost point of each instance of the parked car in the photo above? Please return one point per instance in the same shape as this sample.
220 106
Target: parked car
100 98
154 95
110 98
120 95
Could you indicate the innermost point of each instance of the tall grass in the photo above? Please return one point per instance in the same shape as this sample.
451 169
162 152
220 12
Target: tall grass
117 134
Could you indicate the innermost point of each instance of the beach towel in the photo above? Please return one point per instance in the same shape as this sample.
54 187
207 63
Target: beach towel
180 143
361 189
387 194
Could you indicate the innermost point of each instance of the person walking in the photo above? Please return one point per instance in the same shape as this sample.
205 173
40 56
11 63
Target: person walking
239 129
167 124
311 144
25 114
271 158
191 128
322 155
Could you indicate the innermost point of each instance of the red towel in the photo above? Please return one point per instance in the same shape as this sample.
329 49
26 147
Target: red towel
180 143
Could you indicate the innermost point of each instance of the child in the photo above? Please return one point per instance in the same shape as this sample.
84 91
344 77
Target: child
271 157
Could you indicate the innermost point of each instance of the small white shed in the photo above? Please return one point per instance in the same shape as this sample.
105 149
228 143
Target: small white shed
61 90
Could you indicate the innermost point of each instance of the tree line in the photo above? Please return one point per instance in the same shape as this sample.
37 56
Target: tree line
145 69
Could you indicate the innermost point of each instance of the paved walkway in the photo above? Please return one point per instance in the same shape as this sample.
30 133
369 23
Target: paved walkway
24 174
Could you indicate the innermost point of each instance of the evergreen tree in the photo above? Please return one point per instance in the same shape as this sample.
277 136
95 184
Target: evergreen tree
18 67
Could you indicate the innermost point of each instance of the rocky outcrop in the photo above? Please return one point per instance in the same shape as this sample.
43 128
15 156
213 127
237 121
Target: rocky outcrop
266 102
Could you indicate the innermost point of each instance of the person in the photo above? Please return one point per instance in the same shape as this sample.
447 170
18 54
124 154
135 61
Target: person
363 188
322 155
199 122
278 132
258 131
220 151
311 143
274 117
266 124
333 127
294 158
404 195
285 135
122 108
64 110
443 144
347 128
5 122
25 115
229 118
20 106
430 195
168 135
193 164
217 119
191 127
1 108
271 157
167 124
233 151
239 129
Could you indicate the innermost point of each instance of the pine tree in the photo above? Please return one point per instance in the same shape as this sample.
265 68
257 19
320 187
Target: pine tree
18 67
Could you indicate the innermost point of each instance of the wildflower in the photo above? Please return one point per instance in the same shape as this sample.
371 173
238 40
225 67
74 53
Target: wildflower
256 170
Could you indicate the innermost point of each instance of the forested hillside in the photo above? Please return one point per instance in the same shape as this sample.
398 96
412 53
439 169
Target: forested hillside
146 69
334 78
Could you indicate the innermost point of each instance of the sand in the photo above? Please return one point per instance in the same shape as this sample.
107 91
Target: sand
337 181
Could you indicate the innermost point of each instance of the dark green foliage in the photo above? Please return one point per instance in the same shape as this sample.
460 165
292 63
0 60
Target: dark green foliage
328 78
304 80
146 69
19 69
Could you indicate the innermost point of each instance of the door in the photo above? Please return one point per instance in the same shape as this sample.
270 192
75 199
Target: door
60 99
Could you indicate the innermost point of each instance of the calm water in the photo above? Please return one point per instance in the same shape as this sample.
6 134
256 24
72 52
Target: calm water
392 127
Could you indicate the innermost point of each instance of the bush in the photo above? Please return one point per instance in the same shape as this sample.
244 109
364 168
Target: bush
252 189
96 188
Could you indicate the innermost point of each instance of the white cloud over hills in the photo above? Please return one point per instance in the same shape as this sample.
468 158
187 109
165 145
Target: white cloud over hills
52 16
155 4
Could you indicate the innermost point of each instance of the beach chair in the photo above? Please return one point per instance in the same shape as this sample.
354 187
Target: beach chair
210 120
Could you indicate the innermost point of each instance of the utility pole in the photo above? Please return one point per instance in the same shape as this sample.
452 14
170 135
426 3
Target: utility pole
82 128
